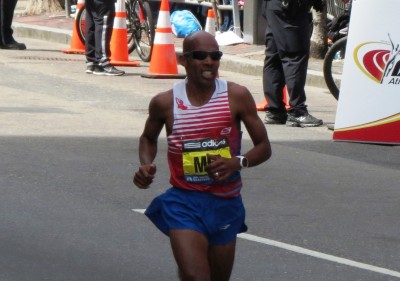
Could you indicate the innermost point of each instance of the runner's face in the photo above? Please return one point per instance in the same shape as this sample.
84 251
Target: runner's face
202 62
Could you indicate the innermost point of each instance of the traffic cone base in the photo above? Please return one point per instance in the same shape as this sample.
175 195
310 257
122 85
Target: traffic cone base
262 106
124 63
73 51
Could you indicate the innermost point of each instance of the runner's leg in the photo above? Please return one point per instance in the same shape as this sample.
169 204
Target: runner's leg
190 250
221 258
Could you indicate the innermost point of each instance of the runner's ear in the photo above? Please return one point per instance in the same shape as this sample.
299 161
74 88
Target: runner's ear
182 60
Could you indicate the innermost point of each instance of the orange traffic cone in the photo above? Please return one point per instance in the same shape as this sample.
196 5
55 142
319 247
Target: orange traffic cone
262 106
119 38
77 46
163 63
210 23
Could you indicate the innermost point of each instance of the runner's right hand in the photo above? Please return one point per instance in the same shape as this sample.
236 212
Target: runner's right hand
144 176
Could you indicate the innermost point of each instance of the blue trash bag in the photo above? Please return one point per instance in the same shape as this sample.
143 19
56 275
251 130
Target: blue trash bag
184 23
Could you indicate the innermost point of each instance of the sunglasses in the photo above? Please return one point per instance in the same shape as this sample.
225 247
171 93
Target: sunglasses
202 55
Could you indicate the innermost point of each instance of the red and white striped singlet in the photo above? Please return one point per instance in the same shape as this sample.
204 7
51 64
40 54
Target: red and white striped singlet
198 131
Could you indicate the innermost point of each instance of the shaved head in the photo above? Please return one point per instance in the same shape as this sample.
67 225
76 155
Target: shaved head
194 39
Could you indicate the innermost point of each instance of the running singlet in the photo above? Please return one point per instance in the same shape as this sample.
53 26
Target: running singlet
198 131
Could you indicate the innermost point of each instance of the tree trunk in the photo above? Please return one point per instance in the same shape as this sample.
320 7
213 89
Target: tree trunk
319 43
38 7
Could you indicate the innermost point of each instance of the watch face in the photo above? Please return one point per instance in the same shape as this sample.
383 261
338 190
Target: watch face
245 163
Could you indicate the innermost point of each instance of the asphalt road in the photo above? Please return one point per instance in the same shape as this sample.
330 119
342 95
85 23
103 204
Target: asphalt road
317 210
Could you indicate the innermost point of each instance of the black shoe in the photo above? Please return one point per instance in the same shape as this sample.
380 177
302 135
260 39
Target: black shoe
107 70
90 69
272 118
13 46
302 119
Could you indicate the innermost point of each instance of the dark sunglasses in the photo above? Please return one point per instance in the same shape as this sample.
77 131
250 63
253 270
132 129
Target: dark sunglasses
202 55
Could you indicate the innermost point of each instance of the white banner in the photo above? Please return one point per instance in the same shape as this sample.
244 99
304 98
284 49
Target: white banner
369 101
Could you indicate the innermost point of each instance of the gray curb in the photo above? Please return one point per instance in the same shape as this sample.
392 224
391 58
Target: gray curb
255 68
229 63
55 35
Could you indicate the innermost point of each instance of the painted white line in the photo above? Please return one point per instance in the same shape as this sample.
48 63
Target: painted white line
319 255
311 253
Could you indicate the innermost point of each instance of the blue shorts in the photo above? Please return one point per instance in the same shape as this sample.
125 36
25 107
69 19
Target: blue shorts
219 219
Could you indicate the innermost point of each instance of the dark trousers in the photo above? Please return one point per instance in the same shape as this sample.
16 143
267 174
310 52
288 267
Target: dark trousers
99 25
7 8
287 44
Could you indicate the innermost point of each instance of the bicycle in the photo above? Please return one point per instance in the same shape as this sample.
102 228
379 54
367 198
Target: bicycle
334 58
140 27
333 65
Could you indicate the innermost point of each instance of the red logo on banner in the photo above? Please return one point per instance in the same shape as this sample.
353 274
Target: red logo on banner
379 61
371 58
375 61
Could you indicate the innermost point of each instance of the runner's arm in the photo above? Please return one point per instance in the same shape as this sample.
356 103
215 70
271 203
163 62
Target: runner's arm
148 142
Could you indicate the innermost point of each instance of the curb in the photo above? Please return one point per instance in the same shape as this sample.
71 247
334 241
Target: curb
255 68
55 35
229 63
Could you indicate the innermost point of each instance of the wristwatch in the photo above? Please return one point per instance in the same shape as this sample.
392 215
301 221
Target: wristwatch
244 163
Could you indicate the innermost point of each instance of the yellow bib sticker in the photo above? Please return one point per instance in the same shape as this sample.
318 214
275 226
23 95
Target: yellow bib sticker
194 157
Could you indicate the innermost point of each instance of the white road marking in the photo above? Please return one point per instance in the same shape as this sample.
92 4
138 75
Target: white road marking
311 253
319 255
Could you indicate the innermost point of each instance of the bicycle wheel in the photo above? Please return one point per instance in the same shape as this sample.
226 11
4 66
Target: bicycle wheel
80 22
333 65
140 28
130 26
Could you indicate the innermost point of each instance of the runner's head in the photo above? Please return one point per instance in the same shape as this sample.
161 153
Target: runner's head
201 56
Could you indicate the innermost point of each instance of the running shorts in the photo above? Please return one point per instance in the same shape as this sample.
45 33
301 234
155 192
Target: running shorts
219 219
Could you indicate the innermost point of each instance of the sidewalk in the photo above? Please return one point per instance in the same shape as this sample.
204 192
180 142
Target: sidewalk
240 58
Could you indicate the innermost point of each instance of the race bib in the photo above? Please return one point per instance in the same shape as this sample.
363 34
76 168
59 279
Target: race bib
194 157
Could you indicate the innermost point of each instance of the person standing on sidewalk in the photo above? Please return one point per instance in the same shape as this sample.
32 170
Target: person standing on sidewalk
287 49
202 212
7 40
99 26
